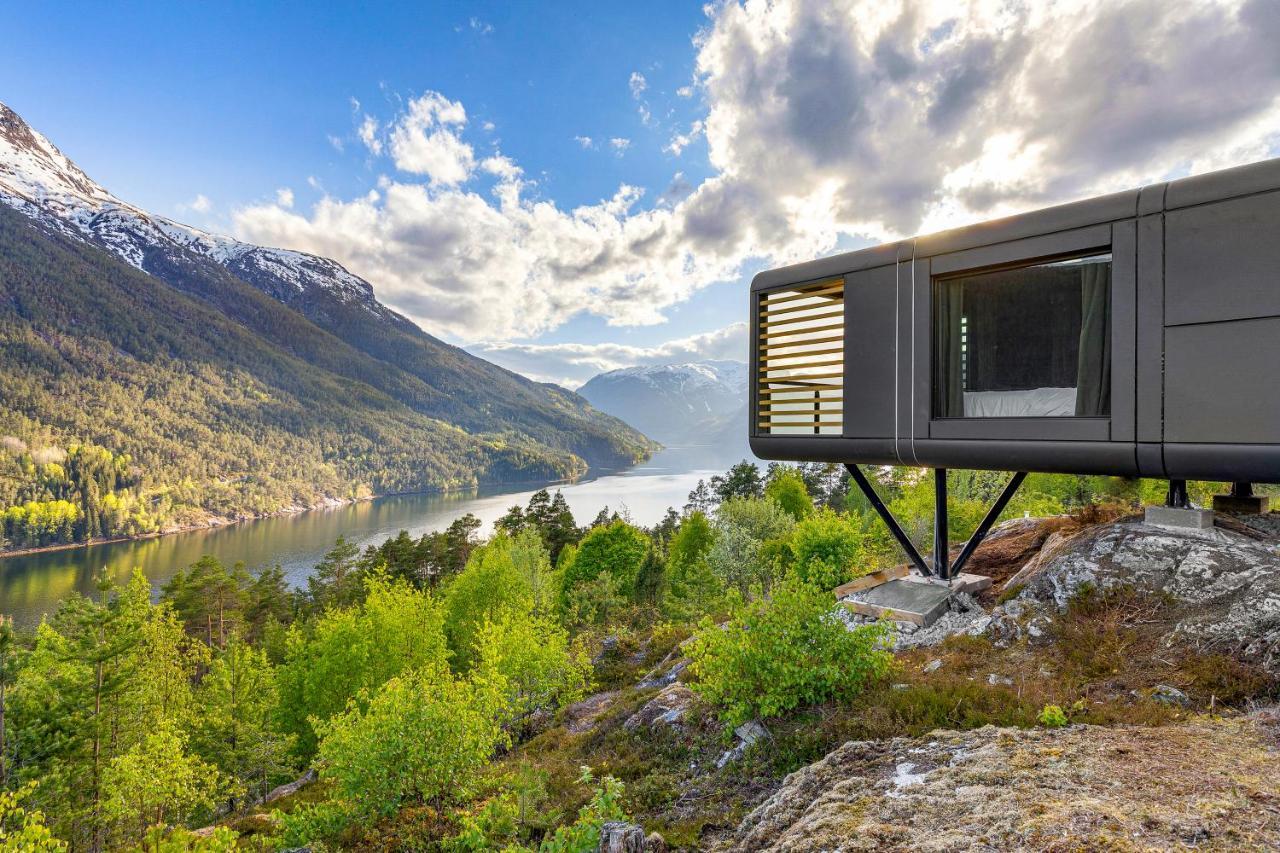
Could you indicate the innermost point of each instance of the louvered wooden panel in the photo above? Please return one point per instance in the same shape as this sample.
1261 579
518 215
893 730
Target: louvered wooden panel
799 371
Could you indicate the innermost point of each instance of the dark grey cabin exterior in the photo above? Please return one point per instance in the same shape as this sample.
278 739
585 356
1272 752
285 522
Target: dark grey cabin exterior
892 354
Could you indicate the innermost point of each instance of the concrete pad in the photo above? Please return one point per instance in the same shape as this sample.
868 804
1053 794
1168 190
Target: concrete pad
903 600
1168 516
870 580
970 583
963 582
1250 505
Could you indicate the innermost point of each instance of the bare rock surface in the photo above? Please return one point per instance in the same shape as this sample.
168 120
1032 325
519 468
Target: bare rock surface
581 716
1223 588
668 708
1207 783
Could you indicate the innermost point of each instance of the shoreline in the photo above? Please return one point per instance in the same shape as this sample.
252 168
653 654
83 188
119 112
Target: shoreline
218 522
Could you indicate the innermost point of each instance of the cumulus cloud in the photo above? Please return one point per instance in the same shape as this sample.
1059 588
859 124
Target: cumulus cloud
425 140
284 197
200 204
619 144
585 141
824 122
572 364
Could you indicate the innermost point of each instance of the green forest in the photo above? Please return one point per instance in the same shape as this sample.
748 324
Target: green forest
414 678
217 402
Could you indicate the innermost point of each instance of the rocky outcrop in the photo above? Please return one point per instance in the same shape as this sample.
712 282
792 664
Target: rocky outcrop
1222 588
622 837
668 708
582 716
1204 783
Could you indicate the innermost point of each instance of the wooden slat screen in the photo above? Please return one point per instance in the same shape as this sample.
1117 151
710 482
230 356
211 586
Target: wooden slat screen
799 371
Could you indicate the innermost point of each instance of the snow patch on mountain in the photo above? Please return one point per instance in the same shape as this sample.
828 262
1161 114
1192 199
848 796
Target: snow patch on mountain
40 181
676 404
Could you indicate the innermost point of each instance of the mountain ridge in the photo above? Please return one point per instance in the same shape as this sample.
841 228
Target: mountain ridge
685 403
495 425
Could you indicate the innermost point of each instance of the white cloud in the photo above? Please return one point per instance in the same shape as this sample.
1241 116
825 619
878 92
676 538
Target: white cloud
424 140
488 126
200 204
585 141
825 121
336 142
368 133
284 197
681 141
484 28
314 183
619 145
503 167
637 84
685 91
572 364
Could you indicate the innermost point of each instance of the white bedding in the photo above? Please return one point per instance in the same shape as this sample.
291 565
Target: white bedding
1031 403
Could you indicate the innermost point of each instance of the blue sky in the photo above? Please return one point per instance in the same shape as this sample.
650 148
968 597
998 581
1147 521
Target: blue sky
754 135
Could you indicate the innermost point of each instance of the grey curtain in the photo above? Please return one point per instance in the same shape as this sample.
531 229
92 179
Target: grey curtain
948 384
1093 376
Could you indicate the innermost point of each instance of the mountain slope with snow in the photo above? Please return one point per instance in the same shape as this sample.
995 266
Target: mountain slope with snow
676 404
382 348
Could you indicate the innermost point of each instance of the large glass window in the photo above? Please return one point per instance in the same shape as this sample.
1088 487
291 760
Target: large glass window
1028 342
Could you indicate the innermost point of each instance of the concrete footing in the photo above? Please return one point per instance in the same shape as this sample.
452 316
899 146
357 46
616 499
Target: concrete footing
919 602
1241 505
1170 516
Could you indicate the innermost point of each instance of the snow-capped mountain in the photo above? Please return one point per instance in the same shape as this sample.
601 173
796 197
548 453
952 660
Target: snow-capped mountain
676 404
41 181
336 324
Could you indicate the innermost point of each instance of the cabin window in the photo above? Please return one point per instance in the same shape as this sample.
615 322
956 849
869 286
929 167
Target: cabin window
1028 342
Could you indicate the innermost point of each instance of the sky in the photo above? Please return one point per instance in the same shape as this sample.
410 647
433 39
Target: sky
566 188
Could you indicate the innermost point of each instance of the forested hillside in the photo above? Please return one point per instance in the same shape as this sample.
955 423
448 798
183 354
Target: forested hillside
535 691
213 415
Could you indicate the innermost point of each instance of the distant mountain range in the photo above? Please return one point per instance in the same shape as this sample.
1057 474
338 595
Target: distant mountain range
129 330
698 403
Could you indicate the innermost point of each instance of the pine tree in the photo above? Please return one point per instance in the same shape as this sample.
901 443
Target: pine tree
234 731
336 580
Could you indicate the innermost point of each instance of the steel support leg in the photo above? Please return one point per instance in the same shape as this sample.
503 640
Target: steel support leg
992 514
941 549
913 554
1178 496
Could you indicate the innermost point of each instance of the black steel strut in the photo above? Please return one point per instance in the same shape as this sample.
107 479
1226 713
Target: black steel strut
992 514
942 566
892 523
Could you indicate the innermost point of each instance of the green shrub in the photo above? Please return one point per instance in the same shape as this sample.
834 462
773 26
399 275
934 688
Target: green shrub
779 653
692 589
23 829
424 736
357 648
539 665
616 549
788 490
739 556
583 835
827 550
491 587
1052 717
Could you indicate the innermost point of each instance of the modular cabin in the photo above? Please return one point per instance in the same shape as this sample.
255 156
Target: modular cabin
1134 334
